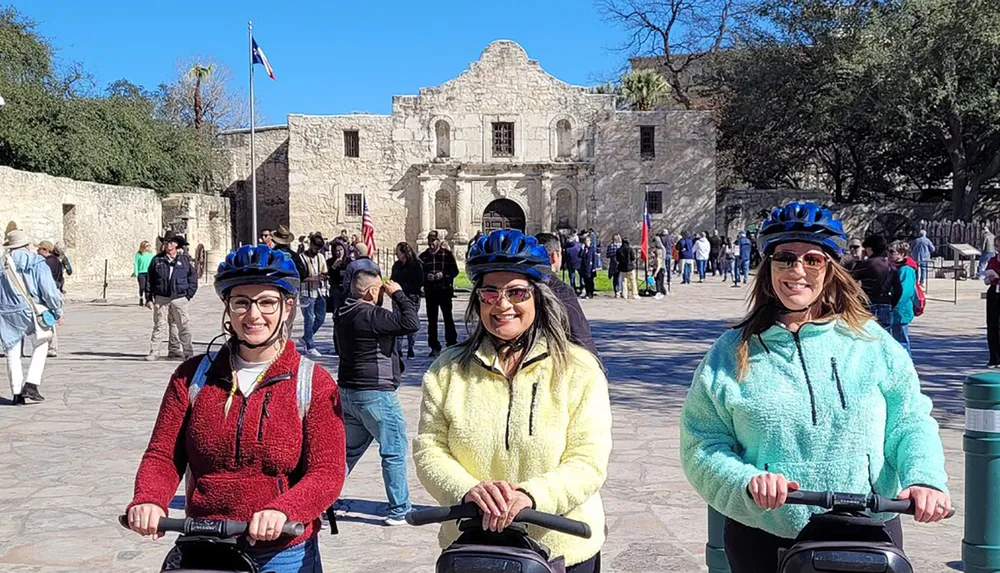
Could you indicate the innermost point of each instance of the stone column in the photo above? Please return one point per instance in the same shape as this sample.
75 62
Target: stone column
582 201
546 199
463 203
425 204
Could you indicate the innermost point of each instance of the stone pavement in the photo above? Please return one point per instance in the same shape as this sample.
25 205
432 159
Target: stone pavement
68 463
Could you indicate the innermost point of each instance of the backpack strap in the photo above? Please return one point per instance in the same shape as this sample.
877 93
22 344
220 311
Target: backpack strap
200 377
303 385
194 387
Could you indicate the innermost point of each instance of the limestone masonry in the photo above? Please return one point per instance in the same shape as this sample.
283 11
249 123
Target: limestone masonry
503 144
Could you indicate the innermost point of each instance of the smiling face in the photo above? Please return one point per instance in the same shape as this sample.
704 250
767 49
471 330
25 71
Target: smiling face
799 284
505 318
255 323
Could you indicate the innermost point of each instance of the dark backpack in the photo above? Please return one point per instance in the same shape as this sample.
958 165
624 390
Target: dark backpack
510 550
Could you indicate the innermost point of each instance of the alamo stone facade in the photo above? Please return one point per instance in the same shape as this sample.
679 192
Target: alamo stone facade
502 144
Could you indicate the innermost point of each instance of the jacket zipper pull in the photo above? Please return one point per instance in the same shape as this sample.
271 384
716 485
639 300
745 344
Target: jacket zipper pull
531 413
836 378
263 414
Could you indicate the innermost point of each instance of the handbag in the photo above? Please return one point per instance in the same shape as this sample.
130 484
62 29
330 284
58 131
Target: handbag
45 319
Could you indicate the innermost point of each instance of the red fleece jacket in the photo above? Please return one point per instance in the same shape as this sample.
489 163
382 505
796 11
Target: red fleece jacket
260 456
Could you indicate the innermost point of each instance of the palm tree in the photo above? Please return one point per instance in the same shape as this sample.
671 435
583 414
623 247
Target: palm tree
643 89
199 73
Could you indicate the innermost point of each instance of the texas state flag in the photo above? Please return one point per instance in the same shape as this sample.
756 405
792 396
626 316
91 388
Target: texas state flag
258 57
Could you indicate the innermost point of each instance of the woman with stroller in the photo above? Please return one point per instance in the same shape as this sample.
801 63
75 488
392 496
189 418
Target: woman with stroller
809 392
517 416
254 453
409 273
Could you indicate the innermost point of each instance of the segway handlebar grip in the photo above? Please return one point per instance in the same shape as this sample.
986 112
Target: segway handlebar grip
822 499
882 504
554 523
442 514
221 528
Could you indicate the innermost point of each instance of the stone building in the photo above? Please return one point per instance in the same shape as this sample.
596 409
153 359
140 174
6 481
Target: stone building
102 225
503 144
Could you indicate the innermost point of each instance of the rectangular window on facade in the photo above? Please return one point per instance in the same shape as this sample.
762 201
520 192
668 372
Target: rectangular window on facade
503 139
654 202
353 203
647 141
352 144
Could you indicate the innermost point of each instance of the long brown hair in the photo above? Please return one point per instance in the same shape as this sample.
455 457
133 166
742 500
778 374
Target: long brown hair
842 298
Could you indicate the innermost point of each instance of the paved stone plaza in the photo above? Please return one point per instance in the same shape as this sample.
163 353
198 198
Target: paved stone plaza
68 463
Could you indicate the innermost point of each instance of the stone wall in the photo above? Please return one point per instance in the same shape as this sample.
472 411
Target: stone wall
271 151
93 222
683 170
204 221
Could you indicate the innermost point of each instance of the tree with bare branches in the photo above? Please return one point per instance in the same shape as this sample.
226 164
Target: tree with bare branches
683 36
201 94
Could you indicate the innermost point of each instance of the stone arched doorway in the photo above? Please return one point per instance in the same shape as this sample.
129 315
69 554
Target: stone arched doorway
503 214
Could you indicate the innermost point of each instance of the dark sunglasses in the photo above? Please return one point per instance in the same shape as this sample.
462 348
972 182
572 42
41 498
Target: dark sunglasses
491 295
785 261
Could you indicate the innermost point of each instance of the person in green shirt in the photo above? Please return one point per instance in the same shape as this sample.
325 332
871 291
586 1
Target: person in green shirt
142 259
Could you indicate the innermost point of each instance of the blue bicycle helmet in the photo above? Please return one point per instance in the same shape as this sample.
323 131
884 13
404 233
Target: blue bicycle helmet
802 223
260 265
507 250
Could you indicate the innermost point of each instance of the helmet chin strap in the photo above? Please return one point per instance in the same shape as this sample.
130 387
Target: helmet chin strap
270 339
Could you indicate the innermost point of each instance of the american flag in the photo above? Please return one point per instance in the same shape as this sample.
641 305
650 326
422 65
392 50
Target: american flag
368 229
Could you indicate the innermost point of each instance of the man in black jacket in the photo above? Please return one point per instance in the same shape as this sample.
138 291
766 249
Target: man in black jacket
440 270
368 375
172 282
579 328
879 279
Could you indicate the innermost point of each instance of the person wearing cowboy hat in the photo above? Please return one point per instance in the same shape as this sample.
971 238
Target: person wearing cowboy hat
25 274
282 239
172 282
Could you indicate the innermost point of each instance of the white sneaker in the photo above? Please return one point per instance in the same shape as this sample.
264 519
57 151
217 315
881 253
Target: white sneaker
636 297
394 521
659 296
314 353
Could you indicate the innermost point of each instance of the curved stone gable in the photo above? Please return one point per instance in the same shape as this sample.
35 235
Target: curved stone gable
504 73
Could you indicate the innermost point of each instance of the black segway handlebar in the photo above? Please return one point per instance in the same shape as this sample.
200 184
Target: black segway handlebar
471 511
221 528
855 502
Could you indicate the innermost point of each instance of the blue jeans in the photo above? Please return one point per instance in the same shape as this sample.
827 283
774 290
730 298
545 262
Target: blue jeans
984 258
701 269
301 558
313 316
743 267
376 415
686 265
616 282
883 314
924 271
901 332
572 279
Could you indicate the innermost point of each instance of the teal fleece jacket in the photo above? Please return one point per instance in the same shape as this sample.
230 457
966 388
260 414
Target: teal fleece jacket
828 407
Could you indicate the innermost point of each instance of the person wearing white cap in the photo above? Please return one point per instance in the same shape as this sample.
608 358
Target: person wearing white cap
26 289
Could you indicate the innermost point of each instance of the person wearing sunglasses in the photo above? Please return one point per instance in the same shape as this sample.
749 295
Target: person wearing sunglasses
809 392
258 446
517 416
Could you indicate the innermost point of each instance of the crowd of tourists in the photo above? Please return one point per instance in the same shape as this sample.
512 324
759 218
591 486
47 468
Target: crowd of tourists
517 414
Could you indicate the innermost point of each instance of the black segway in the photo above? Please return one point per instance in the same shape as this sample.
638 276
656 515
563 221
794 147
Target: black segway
846 538
511 550
210 545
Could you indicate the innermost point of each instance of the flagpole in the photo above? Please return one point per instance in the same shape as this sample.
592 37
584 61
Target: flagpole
253 162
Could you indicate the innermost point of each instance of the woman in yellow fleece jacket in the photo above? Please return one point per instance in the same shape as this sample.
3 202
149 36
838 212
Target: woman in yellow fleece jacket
517 416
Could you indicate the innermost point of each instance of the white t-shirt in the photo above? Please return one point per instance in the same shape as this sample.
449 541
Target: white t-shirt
702 248
247 373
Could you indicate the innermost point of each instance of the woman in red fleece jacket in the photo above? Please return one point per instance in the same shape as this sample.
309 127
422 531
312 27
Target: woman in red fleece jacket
252 458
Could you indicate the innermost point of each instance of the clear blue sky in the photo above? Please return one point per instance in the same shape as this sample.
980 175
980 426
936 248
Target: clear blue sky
329 56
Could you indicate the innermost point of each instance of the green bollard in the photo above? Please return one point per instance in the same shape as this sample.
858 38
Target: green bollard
981 544
715 549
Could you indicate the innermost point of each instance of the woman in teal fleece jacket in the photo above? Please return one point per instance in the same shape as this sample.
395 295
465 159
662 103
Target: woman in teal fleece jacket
808 391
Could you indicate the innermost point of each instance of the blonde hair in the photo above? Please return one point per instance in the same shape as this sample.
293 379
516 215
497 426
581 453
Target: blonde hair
144 245
841 298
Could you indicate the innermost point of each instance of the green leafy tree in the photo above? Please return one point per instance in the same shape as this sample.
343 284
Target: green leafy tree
643 89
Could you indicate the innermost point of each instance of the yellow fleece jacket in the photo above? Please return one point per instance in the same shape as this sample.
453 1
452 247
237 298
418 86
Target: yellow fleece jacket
547 431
